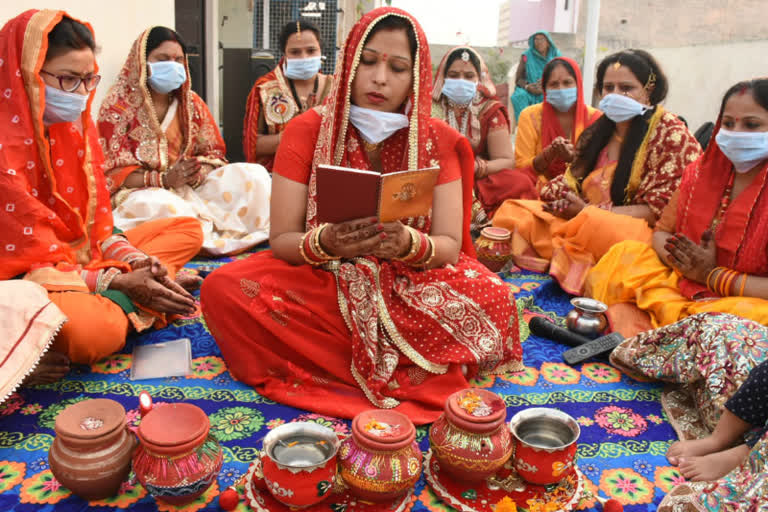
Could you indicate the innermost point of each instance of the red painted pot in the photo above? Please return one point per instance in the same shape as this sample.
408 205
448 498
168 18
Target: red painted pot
381 460
298 463
470 439
178 459
494 247
545 444
91 454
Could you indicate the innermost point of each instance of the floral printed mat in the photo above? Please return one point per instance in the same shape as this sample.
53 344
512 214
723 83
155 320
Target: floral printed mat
621 451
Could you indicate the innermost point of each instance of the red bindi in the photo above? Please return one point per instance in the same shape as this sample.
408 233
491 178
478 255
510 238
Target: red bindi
742 90
384 57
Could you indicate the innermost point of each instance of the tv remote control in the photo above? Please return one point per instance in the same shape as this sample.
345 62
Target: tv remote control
601 345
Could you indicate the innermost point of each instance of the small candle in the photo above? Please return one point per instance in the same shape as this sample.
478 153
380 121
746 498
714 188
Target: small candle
145 403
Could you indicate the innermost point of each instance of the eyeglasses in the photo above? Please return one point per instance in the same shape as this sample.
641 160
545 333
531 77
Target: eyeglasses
70 83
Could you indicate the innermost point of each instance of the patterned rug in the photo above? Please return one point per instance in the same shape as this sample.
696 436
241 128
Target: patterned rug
621 450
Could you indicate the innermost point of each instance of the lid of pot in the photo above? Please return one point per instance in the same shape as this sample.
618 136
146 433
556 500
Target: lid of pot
494 233
383 429
173 425
477 406
90 419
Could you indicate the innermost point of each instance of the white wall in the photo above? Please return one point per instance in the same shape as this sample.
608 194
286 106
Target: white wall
116 24
700 75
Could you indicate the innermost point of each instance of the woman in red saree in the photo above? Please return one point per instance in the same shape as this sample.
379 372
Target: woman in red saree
56 218
165 155
547 131
284 92
340 318
708 252
475 112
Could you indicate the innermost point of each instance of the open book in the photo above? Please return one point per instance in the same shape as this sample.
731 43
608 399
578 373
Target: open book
346 194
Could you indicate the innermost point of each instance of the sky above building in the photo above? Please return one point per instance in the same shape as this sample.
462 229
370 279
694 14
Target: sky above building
473 22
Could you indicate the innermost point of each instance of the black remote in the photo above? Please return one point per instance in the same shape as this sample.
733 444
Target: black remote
602 345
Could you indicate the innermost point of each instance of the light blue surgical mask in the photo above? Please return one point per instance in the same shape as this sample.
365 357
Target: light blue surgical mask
744 149
62 106
166 76
459 91
375 126
562 99
620 108
302 69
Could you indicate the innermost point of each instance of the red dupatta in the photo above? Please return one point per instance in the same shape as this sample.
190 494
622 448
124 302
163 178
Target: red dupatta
55 208
741 236
131 135
550 126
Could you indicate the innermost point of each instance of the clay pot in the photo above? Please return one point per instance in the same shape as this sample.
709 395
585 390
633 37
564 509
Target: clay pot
91 455
470 439
380 460
178 459
494 247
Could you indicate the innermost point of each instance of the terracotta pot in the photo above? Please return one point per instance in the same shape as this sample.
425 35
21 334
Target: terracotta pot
470 439
178 459
381 459
494 247
91 455
545 444
298 463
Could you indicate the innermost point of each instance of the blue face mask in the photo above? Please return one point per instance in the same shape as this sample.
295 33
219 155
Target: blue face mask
744 149
302 69
62 106
375 126
459 91
166 76
620 108
562 99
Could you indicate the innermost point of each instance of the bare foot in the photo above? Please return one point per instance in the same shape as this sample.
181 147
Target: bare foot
713 466
189 282
698 447
52 366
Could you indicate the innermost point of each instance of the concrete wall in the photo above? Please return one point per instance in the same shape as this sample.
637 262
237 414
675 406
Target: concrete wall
115 23
528 16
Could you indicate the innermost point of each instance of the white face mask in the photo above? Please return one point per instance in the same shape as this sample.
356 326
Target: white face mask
302 69
375 126
744 149
62 106
620 108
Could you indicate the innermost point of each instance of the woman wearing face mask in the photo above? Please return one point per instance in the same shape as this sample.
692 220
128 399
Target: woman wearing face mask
415 315
464 95
165 155
708 250
626 167
547 132
56 219
529 88
294 86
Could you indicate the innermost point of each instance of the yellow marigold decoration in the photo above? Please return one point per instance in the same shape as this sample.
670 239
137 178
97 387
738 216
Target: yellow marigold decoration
470 401
375 425
506 505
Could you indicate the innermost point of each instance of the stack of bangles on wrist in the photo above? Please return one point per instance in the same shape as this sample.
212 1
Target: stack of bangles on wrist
153 179
422 250
481 167
724 279
310 247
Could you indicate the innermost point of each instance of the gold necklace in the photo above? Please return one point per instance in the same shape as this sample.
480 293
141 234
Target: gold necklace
618 138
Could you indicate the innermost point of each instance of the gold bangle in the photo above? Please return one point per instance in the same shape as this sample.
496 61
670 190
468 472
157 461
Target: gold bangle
415 244
316 243
431 254
727 281
709 277
743 282
301 250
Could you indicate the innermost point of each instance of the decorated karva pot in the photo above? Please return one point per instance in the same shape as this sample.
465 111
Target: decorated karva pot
381 459
178 458
470 439
545 444
299 463
494 247
91 454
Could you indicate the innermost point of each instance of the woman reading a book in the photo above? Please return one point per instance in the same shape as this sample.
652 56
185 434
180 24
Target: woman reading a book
339 318
165 155
56 220
627 165
294 86
464 96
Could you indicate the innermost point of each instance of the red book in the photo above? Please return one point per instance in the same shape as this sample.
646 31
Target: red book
346 194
